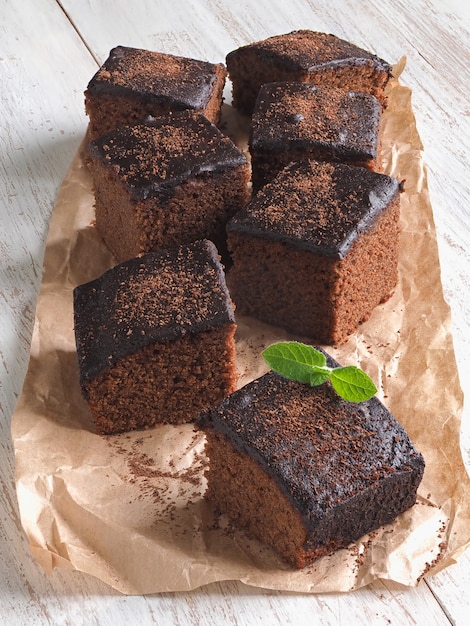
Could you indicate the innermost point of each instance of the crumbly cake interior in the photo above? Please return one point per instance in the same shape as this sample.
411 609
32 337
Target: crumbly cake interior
252 500
109 111
198 208
322 298
212 110
247 74
168 382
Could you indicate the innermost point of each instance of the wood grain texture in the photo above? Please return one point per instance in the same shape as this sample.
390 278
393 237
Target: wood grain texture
48 52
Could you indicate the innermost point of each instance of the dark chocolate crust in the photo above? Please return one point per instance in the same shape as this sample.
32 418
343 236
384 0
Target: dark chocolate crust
306 50
317 206
342 123
173 81
157 297
322 451
155 157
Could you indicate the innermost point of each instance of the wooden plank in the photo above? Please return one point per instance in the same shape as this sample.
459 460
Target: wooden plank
43 65
45 68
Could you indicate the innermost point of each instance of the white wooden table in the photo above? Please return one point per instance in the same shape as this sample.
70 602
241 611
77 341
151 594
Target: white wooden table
48 52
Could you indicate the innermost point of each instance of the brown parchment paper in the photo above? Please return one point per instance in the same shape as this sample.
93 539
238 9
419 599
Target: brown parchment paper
129 509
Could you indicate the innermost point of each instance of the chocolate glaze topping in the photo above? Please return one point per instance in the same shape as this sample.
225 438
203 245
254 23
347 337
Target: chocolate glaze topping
164 78
158 155
320 449
299 115
155 297
310 51
317 206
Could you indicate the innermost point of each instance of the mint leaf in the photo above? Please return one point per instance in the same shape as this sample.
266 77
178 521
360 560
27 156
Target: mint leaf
352 384
296 361
319 376
305 364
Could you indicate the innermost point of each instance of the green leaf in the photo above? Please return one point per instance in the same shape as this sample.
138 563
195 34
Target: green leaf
352 384
305 364
296 361
318 376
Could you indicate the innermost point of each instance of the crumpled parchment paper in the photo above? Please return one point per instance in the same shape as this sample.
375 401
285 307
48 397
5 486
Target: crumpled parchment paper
129 509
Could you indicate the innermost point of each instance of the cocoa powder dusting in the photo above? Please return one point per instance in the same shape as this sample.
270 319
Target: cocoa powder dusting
169 483
305 115
148 158
152 298
318 205
149 72
311 50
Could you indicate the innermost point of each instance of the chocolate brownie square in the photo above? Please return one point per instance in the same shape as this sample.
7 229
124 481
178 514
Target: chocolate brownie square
155 339
133 84
166 184
317 249
304 471
304 56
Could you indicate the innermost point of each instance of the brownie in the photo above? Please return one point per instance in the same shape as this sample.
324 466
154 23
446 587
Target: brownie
155 339
134 83
304 56
304 471
316 249
166 183
299 121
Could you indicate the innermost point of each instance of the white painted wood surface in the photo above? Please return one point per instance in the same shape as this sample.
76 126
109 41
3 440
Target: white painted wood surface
48 52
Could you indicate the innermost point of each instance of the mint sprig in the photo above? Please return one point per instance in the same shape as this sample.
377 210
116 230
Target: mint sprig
305 364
